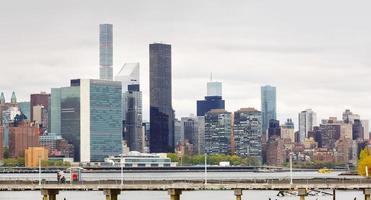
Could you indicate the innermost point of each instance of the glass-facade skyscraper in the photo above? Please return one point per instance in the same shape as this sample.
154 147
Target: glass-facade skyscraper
133 132
90 117
268 105
131 106
105 51
161 109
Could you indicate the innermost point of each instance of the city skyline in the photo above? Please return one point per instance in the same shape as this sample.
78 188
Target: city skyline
318 56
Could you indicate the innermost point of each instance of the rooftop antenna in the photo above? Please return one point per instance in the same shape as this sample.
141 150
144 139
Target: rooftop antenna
211 77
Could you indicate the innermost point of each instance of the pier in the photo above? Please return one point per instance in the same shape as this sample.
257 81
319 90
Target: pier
112 189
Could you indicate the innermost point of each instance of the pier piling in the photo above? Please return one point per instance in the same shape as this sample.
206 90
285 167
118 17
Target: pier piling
367 193
111 194
49 194
175 194
238 194
302 192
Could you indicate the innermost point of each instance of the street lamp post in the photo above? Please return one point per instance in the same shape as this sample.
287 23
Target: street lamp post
39 170
205 168
122 170
290 168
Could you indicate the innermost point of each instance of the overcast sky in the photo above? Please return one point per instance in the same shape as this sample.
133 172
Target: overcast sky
317 53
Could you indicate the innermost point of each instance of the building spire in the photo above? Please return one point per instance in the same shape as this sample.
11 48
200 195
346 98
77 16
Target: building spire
2 98
13 99
211 76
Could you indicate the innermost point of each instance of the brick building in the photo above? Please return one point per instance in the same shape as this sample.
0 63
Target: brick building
21 137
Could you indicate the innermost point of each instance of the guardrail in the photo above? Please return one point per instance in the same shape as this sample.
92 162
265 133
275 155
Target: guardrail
149 181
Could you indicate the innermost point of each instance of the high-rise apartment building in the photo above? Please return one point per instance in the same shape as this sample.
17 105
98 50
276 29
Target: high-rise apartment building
90 118
161 109
106 51
307 119
218 131
248 133
268 105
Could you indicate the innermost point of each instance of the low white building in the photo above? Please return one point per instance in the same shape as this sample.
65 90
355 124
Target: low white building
137 159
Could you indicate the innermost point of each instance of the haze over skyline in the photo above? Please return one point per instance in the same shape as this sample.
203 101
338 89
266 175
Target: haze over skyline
316 53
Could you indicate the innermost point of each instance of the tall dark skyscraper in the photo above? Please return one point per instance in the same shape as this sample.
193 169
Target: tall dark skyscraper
161 109
105 51
268 105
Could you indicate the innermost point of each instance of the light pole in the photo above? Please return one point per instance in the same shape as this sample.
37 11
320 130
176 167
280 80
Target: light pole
205 168
39 170
122 170
290 168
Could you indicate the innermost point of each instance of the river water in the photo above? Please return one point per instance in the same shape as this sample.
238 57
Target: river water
187 195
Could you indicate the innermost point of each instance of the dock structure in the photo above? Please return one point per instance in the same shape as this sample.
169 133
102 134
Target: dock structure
111 189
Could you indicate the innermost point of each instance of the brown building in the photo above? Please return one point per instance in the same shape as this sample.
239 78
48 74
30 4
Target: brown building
21 137
344 150
32 155
275 152
323 155
41 99
1 143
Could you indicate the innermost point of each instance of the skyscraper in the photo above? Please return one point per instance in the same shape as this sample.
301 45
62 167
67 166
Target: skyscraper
218 131
161 109
213 100
248 133
128 75
90 118
268 105
307 119
131 106
133 132
105 51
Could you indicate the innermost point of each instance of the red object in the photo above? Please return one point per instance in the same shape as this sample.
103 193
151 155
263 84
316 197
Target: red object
74 177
